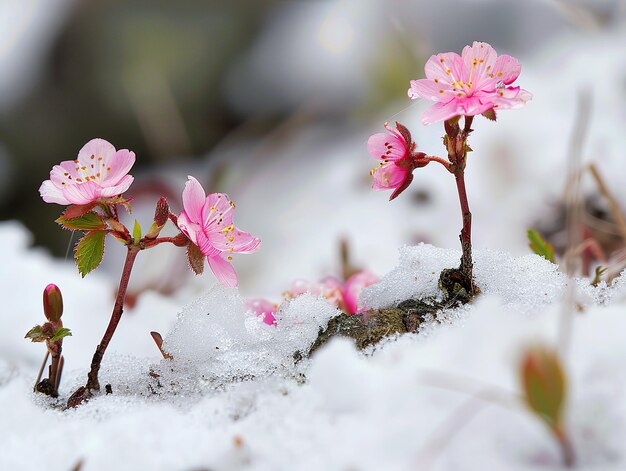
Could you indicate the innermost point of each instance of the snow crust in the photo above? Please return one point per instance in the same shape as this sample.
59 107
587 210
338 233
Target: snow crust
236 395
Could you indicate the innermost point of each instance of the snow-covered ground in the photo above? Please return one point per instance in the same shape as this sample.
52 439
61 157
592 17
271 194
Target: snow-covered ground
233 397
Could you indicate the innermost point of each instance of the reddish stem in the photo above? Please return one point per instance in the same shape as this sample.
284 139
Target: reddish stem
466 232
456 143
433 158
179 240
118 309
567 449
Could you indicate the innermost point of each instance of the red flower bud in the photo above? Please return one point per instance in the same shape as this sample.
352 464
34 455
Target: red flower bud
52 303
161 214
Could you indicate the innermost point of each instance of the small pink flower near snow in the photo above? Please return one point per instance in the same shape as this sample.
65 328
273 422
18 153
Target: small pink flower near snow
208 222
262 308
395 150
353 287
470 84
99 171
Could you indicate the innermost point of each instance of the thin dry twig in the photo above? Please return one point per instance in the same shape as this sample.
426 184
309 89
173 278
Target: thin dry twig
574 209
41 368
614 208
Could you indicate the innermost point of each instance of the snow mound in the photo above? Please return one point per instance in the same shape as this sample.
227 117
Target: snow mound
216 341
523 283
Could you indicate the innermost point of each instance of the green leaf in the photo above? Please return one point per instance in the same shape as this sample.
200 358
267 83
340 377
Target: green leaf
112 201
136 232
490 114
61 333
195 258
539 246
87 222
89 251
35 334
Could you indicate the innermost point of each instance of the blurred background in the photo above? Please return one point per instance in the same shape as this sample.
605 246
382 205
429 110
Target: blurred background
273 101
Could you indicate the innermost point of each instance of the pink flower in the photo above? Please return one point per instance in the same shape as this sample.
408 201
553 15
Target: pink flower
99 172
470 84
208 222
395 150
353 287
262 308
330 288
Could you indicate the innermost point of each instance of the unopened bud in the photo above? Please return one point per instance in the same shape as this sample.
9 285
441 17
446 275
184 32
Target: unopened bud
52 303
161 214
543 383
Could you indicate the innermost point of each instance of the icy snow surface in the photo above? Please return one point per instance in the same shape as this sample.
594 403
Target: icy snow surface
236 397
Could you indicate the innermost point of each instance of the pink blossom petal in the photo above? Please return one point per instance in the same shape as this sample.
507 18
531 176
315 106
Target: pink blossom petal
440 112
238 241
205 246
51 194
61 173
431 90
354 286
96 148
223 271
506 69
446 67
84 193
478 60
189 228
389 176
510 98
387 146
193 200
217 212
119 188
117 167
262 308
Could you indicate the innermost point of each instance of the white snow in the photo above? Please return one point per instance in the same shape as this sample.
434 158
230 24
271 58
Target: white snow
233 397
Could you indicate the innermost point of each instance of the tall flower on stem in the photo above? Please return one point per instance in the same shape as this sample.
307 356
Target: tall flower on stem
478 82
92 186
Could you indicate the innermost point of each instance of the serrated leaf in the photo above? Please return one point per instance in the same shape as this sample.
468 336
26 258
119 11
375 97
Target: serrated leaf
87 222
77 210
195 258
136 232
490 114
61 333
539 246
89 251
117 200
35 334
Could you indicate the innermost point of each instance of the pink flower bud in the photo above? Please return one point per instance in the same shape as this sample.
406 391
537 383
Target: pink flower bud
52 303
161 214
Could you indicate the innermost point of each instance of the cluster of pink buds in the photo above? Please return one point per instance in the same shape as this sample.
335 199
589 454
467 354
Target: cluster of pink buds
344 295
91 187
478 82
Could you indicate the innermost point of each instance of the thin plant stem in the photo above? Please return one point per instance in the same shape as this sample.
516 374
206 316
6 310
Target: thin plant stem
614 208
41 368
567 450
54 368
466 232
118 309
